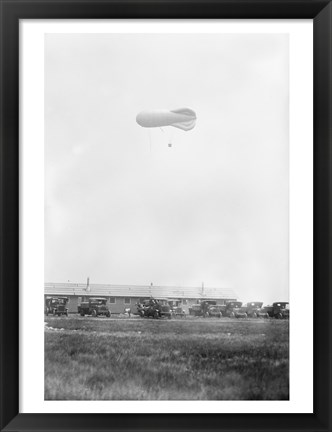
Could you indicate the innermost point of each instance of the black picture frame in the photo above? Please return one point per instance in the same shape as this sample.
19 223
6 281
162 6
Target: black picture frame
14 10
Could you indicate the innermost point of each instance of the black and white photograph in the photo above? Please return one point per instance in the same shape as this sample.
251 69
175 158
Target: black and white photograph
166 205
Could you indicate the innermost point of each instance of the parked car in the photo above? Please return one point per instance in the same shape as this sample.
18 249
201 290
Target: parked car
253 308
206 305
201 307
216 311
234 309
177 311
56 306
142 306
176 308
240 312
155 308
264 312
281 310
195 310
164 308
278 310
95 306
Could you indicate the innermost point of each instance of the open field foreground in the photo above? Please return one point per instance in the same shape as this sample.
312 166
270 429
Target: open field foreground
147 359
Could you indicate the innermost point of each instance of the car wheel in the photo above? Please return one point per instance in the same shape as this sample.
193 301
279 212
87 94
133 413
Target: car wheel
108 314
94 313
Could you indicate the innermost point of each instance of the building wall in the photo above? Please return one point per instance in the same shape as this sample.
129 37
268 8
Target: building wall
118 304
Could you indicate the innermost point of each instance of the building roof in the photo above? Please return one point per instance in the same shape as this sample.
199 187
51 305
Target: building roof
105 290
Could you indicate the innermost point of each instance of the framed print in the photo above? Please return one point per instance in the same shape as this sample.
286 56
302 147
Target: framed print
165 199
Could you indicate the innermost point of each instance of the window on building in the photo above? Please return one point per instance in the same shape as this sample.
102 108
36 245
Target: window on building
79 299
184 301
112 300
127 300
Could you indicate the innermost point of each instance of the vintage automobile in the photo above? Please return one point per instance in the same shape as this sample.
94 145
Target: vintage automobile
176 308
195 310
215 311
95 306
138 308
56 306
281 310
202 308
177 311
264 312
142 306
206 304
155 308
253 308
164 308
234 309
240 312
148 308
278 310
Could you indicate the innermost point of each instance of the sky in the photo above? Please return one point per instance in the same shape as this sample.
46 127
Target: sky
122 207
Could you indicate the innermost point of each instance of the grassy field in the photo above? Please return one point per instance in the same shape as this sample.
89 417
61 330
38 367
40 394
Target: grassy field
146 359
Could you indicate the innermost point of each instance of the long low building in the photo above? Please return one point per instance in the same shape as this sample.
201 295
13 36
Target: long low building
120 297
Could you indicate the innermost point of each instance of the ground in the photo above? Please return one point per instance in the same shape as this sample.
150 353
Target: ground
179 359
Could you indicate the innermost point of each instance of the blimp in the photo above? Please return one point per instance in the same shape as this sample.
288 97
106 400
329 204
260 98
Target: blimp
181 118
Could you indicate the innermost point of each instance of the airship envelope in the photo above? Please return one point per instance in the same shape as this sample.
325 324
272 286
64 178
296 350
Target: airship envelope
182 118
